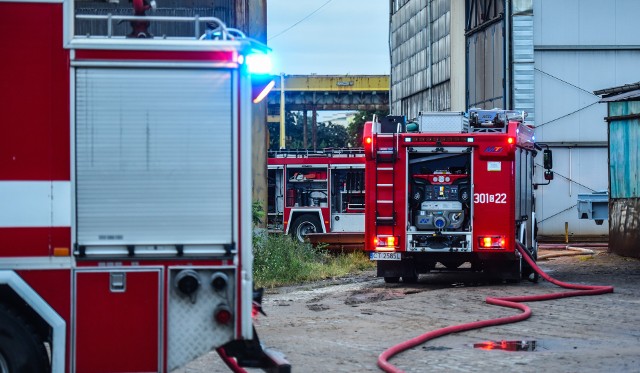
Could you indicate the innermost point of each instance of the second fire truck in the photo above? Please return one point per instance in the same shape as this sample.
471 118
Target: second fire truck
319 193
451 191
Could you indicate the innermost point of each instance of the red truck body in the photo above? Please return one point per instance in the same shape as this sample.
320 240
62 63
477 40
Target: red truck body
448 190
318 195
125 194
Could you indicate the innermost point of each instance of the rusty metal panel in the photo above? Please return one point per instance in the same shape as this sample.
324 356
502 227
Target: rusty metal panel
351 83
624 157
624 226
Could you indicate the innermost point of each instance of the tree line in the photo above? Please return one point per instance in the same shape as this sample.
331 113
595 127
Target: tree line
328 134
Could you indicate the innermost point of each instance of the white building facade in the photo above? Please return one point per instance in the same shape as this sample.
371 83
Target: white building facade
545 57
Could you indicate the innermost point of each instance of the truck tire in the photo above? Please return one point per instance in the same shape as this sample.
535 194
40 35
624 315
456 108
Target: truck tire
392 279
20 349
303 225
413 279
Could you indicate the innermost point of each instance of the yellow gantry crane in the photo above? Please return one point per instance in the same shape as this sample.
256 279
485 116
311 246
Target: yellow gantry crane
326 92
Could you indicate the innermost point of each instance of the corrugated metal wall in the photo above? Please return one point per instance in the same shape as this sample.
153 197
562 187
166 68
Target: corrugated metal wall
624 153
420 56
485 54
523 59
624 178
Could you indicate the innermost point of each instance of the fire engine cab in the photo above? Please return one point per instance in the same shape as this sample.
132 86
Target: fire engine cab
125 191
318 195
450 191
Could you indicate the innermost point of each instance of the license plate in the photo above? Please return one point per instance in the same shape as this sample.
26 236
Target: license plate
384 256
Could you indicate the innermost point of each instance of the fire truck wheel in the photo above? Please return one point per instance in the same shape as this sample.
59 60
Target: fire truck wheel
20 348
304 225
410 279
528 272
392 280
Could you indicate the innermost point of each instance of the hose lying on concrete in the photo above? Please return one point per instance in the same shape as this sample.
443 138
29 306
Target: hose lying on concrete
569 250
511 302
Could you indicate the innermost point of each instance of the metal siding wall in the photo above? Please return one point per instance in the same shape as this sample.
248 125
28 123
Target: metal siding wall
523 65
586 22
409 38
577 170
572 59
566 108
624 154
485 56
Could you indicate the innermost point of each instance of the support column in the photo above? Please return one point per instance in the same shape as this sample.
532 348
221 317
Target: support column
314 128
304 130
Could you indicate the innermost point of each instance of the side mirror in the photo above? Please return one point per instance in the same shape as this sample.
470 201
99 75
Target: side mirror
547 160
548 175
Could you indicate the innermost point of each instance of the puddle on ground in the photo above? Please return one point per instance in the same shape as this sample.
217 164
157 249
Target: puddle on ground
506 345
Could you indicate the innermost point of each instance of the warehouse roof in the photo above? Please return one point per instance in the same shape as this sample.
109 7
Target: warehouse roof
625 92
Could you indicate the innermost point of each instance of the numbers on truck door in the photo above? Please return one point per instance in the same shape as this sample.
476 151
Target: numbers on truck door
490 198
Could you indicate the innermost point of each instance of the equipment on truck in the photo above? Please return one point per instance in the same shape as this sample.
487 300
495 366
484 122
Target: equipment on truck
318 192
449 189
125 227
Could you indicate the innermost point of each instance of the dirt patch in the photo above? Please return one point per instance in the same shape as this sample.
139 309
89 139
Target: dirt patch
373 295
342 325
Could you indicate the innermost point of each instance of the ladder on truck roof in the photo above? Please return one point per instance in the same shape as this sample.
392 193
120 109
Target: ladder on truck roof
385 175
385 163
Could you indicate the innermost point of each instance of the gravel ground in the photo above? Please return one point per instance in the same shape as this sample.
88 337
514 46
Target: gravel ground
342 325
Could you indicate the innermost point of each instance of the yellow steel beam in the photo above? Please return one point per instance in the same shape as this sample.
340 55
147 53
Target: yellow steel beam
324 83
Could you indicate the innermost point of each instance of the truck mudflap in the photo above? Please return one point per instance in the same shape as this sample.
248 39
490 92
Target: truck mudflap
251 354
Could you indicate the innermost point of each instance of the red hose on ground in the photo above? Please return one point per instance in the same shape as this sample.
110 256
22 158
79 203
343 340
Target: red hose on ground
231 363
511 302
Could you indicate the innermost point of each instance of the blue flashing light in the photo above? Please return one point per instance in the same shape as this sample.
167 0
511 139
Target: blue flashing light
259 63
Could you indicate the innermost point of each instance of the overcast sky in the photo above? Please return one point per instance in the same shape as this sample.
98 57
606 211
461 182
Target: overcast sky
342 37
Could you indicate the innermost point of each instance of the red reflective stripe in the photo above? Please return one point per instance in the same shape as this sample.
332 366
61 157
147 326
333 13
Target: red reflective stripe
211 56
33 241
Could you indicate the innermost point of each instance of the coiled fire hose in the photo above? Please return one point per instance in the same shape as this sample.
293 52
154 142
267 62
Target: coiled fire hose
511 302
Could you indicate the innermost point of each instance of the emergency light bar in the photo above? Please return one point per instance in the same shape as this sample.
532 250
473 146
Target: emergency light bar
259 62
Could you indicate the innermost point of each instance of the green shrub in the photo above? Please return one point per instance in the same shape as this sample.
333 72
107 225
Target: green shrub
280 260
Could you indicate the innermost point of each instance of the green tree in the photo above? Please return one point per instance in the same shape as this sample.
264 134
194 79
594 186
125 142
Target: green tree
328 135
357 125
332 136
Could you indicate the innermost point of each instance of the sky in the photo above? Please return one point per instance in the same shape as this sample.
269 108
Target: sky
342 36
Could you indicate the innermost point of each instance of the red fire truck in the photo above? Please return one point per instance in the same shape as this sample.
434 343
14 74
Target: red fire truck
125 193
449 189
317 193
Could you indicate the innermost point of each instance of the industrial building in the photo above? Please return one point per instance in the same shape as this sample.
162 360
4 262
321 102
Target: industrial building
544 57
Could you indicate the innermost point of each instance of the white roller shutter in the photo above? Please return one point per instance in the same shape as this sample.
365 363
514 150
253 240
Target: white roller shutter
153 156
